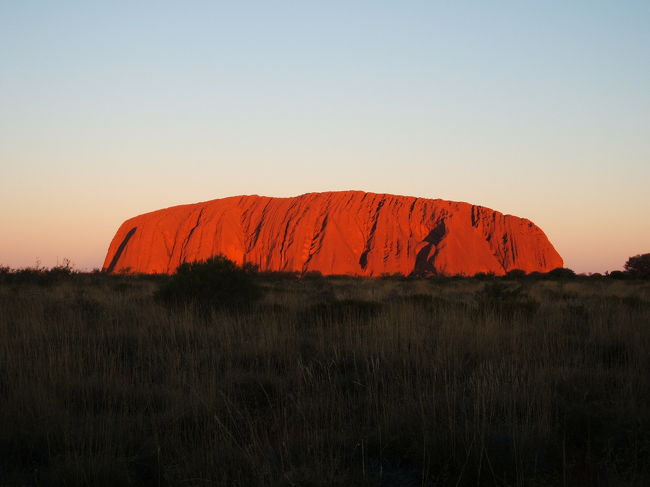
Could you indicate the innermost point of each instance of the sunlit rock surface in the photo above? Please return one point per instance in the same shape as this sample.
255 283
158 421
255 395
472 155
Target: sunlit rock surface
347 232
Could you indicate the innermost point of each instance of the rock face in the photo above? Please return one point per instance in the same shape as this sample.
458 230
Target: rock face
347 232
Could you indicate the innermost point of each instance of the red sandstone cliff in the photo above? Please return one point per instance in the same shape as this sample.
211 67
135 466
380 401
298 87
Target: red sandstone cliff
347 232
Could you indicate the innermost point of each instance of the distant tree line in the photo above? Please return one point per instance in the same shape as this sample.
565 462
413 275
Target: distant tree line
203 279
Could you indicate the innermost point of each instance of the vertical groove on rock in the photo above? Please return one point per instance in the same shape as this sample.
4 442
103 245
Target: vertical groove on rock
189 236
120 249
253 237
314 246
363 260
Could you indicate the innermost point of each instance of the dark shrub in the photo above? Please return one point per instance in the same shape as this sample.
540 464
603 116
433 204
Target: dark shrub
38 275
215 283
5 274
484 276
639 266
537 275
619 275
313 275
515 274
61 271
561 273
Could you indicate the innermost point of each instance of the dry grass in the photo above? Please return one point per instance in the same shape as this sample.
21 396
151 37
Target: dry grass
327 382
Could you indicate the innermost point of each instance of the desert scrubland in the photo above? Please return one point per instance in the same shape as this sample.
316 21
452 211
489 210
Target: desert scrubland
326 381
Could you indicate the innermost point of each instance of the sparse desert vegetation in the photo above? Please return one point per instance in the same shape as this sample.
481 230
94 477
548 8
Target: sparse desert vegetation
325 381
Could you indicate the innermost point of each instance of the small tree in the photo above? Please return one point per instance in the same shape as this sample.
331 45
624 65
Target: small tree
639 265
214 283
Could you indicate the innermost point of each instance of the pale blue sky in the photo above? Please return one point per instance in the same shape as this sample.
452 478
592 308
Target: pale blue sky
111 109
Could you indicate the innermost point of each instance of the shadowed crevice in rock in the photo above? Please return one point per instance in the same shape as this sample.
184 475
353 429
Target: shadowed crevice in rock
120 249
315 243
363 260
189 236
424 265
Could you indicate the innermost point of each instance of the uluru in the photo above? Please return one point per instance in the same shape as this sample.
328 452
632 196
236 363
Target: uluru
343 232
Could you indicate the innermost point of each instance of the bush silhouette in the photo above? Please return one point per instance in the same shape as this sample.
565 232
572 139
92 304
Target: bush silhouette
561 273
516 274
484 276
620 275
38 275
215 283
639 266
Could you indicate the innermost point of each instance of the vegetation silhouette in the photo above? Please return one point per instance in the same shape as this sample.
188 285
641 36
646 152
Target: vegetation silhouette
215 283
323 380
639 266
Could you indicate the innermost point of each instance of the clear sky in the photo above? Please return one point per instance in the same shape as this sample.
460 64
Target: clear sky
112 109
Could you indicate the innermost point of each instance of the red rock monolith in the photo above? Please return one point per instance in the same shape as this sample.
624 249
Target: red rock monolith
346 232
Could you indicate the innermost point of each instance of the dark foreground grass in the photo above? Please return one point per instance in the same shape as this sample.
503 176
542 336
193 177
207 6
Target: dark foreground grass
327 382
